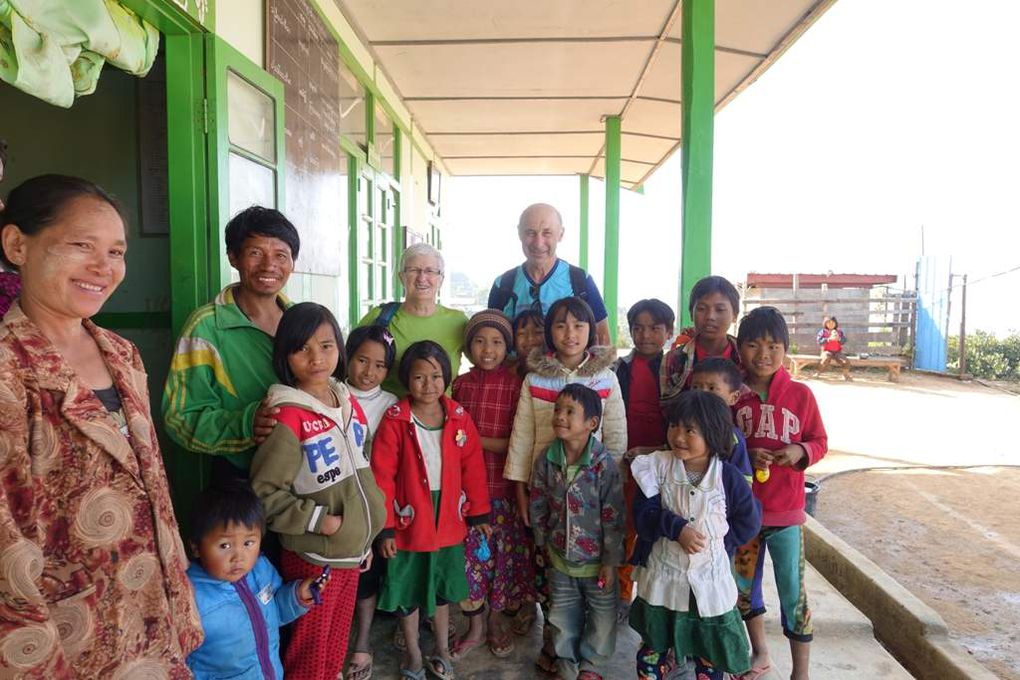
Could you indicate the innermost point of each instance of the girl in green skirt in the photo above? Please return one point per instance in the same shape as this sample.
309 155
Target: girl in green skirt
691 511
427 459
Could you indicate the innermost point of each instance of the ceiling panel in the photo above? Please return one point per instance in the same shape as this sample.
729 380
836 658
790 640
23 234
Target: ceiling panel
630 173
532 66
753 25
602 69
513 115
653 117
642 148
663 79
451 146
394 20
519 166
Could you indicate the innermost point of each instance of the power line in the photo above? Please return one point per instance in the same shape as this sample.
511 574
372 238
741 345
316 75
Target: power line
986 278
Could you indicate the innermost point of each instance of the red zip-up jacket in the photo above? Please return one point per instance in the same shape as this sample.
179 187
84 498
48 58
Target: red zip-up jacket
399 467
788 416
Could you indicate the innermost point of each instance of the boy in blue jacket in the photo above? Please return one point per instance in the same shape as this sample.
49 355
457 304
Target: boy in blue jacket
241 598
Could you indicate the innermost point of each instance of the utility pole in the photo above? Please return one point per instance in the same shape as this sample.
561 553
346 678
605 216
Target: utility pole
963 329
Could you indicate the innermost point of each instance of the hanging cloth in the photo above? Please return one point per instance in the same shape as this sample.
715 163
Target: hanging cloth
55 49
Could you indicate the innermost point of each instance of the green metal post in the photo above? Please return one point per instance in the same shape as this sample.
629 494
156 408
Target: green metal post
582 255
697 96
611 279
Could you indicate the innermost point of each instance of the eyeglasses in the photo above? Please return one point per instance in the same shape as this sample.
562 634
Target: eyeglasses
427 271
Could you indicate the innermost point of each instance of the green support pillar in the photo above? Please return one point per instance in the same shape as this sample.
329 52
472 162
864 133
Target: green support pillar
582 254
610 286
697 97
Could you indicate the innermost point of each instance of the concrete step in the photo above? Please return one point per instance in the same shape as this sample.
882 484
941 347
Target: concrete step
844 647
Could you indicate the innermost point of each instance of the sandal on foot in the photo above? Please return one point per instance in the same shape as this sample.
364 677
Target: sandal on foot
412 675
501 645
756 673
524 620
440 667
464 646
362 671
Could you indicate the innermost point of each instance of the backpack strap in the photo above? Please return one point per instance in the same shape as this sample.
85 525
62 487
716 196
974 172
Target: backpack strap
505 291
579 282
389 309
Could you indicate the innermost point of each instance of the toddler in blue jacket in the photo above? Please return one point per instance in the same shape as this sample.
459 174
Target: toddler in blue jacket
241 598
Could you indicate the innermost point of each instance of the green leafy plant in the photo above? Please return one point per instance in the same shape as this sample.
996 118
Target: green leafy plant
988 356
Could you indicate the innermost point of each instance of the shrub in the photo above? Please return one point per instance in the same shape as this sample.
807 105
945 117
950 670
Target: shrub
988 356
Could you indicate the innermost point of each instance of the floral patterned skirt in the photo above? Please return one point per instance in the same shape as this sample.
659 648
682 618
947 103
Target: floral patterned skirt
506 580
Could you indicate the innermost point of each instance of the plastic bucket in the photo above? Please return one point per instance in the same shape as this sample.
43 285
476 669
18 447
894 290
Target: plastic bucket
810 496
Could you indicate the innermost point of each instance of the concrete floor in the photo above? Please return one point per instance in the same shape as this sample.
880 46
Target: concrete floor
844 646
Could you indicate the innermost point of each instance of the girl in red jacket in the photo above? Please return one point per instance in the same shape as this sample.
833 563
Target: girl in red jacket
427 459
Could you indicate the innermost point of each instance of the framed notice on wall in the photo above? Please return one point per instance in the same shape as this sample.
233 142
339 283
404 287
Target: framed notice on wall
302 53
435 178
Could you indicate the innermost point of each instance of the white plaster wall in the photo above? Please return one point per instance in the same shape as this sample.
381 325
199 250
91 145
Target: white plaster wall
242 24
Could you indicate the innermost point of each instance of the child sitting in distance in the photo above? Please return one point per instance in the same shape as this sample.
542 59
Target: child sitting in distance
238 592
577 517
785 435
831 340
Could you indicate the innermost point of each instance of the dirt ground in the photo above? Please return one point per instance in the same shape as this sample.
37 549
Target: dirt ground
951 536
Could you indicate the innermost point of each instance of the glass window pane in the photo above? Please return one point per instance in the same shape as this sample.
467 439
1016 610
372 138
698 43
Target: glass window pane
364 238
381 243
352 107
364 282
251 184
384 139
251 118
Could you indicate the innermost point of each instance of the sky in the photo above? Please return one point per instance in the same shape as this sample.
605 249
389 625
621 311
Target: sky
884 121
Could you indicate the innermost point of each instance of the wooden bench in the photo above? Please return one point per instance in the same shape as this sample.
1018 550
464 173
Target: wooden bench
892 364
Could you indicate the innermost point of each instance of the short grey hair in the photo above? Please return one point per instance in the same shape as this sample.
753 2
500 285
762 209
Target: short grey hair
422 250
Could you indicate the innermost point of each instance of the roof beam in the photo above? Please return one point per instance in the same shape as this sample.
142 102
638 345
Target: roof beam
546 132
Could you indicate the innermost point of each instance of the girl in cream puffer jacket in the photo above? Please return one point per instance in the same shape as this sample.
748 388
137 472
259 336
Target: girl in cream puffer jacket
533 432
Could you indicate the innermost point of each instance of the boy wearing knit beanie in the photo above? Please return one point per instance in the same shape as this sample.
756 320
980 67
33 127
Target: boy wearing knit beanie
502 576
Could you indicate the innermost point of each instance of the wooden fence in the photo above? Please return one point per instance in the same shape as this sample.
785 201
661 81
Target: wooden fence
878 321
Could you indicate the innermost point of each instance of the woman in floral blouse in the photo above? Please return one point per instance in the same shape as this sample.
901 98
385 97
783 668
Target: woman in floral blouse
93 569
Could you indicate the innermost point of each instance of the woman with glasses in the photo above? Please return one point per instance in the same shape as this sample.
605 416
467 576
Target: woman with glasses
419 316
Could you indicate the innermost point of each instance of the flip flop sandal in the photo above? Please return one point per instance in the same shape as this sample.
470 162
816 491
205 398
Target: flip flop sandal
501 645
412 675
362 672
756 673
523 622
464 646
440 667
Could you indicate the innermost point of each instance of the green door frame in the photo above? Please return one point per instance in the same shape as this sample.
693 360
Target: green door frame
222 57
697 97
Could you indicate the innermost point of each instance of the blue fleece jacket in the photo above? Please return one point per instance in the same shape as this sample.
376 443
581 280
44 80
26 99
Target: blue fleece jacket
242 623
652 521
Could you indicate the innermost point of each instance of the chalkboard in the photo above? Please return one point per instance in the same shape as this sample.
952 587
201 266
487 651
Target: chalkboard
302 53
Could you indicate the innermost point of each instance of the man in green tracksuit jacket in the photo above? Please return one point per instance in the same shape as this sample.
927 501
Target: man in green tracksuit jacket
222 365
